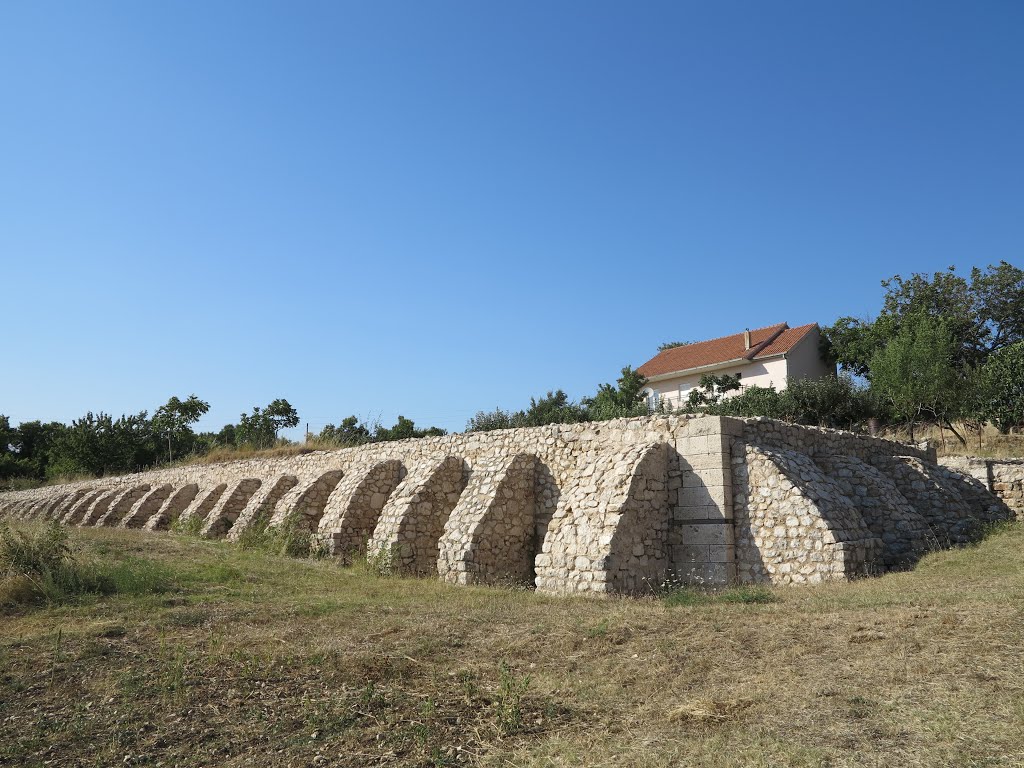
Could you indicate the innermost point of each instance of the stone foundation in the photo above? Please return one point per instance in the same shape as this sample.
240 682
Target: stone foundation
610 507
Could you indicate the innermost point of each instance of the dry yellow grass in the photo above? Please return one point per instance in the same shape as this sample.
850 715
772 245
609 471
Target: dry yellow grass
256 660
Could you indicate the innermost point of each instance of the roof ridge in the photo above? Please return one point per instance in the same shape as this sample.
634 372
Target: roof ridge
804 329
754 351
727 336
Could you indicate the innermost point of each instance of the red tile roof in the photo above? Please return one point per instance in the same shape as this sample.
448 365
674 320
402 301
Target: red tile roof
764 342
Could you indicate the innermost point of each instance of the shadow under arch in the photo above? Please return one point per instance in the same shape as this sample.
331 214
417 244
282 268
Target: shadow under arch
172 508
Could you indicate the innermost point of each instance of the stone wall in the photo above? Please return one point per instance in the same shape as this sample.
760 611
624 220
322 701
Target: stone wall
611 507
1002 477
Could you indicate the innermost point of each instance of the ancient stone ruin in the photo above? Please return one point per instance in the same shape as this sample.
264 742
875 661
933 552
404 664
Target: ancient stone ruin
611 507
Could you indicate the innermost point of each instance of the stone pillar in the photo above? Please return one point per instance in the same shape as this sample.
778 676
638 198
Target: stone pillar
700 498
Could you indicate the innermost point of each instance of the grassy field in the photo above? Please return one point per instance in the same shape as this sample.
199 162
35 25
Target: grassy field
208 655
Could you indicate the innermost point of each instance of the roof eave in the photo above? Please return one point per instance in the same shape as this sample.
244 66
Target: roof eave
700 369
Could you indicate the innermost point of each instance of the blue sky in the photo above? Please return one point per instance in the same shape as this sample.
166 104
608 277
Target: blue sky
433 208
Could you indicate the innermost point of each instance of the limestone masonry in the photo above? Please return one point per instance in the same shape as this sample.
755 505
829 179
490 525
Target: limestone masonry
609 507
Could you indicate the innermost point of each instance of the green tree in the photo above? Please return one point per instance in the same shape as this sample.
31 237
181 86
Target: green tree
260 428
673 345
710 390
1000 387
403 430
35 442
831 401
982 315
350 432
487 421
917 373
625 399
174 420
281 415
98 444
554 408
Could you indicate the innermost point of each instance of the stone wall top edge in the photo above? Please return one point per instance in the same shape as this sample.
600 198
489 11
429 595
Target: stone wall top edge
895 447
423 446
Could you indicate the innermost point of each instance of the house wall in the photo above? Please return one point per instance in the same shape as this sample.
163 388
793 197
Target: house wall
803 361
805 358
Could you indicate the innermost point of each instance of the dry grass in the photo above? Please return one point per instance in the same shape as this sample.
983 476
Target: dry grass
218 455
987 442
258 660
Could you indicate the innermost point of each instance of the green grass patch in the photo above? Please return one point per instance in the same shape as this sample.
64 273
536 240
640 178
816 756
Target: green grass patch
695 596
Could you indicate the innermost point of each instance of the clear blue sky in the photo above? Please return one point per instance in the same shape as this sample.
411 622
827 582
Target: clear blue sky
432 208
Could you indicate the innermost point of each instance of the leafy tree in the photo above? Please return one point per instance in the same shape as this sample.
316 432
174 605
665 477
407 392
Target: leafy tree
33 443
281 415
260 428
831 401
1000 384
98 444
487 421
10 466
404 429
175 419
752 401
710 390
918 375
612 402
350 432
227 436
553 408
982 314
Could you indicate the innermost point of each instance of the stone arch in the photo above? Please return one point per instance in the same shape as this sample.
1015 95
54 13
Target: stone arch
354 508
950 517
493 535
220 519
122 505
203 502
793 524
260 509
16 510
904 534
34 509
65 505
610 530
50 509
305 504
176 503
99 506
146 507
79 508
408 535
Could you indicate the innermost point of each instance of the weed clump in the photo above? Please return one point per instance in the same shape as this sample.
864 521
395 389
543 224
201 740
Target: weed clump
192 526
39 566
292 538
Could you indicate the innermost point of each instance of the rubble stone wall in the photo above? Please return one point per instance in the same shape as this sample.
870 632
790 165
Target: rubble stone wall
612 507
1002 477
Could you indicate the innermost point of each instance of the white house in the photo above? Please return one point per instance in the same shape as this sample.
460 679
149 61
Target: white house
761 357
